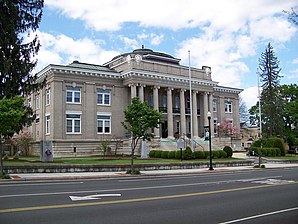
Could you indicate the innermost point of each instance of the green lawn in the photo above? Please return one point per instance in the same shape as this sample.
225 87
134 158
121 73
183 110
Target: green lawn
99 160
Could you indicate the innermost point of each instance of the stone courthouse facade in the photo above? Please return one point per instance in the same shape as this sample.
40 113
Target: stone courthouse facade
82 104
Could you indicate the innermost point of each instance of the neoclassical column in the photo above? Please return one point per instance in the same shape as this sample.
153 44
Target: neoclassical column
141 92
156 107
205 101
212 116
170 113
133 90
195 114
182 112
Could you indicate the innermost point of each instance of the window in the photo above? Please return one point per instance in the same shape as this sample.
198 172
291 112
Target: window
73 95
103 97
215 125
37 101
214 103
103 123
37 119
48 124
48 96
73 122
151 103
228 106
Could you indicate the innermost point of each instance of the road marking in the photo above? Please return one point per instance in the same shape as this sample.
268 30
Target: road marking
92 197
11 210
126 189
273 181
261 215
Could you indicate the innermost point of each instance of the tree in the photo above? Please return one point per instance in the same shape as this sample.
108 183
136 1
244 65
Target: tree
254 117
268 71
293 16
23 140
227 128
139 118
12 111
289 94
244 116
18 17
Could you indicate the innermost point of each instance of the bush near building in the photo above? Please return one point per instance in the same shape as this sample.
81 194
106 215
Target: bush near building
228 150
187 154
270 143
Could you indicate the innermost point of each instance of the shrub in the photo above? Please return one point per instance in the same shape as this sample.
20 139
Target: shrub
152 153
274 151
164 154
157 153
199 155
171 154
215 154
178 154
228 150
206 154
187 153
271 143
265 152
222 154
134 172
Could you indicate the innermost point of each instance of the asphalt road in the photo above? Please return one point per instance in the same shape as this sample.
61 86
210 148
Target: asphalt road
255 196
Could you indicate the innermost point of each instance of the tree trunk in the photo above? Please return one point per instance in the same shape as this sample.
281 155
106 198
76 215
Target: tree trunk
133 146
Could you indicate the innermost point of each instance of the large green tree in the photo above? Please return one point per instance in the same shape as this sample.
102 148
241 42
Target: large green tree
17 19
12 111
271 101
139 119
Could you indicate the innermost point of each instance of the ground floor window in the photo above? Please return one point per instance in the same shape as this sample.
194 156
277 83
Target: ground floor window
73 123
103 123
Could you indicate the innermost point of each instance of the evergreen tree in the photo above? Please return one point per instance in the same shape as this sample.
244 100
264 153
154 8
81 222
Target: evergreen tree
18 18
271 102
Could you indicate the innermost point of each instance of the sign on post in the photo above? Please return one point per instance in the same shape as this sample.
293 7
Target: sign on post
180 145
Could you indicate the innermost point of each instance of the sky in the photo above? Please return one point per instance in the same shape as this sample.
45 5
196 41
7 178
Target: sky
227 35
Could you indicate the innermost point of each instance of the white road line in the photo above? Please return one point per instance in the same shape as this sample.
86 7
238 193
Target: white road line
39 184
121 189
259 216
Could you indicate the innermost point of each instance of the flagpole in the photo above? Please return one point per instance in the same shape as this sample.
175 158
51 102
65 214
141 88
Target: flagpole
190 99
260 112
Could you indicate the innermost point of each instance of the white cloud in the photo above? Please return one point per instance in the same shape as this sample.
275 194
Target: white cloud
272 28
250 96
129 43
218 51
295 61
62 49
156 39
230 29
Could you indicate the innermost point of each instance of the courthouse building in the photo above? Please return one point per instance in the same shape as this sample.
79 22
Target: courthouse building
82 104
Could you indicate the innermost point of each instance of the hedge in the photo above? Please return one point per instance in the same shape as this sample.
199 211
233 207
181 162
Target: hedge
187 154
271 143
271 152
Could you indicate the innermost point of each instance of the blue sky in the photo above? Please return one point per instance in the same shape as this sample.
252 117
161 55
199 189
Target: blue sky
227 35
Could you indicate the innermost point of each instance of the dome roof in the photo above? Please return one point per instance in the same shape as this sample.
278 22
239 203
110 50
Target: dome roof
151 55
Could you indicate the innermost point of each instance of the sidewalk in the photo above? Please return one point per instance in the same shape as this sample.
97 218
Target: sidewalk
95 175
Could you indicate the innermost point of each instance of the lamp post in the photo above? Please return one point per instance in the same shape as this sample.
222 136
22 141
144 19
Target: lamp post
210 155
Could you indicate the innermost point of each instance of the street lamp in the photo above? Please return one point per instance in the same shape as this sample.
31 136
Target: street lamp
210 155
